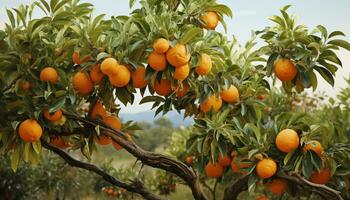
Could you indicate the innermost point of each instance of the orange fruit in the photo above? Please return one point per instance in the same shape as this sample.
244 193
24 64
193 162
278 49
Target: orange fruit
266 168
230 95
285 69
53 117
278 186
30 130
25 85
116 146
205 64
181 73
178 56
189 160
103 140
287 140
76 58
49 74
181 91
162 87
113 122
96 74
321 177
97 110
121 78
238 164
224 160
60 143
211 102
210 20
109 66
82 83
262 198
157 61
138 77
161 45
315 146
214 170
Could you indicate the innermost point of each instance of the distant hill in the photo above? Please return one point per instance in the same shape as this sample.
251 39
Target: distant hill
148 116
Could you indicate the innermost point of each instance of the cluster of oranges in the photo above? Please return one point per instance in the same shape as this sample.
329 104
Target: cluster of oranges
214 102
113 192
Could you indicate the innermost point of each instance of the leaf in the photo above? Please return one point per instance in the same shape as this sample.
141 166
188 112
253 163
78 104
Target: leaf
151 99
131 3
220 8
15 159
252 181
190 34
323 31
336 33
270 63
277 20
37 147
11 17
341 43
325 74
307 165
102 55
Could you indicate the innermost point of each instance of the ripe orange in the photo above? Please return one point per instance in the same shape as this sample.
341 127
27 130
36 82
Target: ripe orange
82 83
96 74
161 45
287 140
30 130
181 73
321 177
53 117
25 85
189 160
315 146
139 77
181 91
109 66
49 74
285 69
178 56
103 140
98 110
224 160
262 198
121 78
230 95
60 143
116 146
205 64
214 170
278 186
266 168
238 164
162 87
76 58
210 20
113 122
157 61
211 102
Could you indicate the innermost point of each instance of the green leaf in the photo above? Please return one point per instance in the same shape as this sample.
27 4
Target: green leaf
152 99
252 181
278 20
15 159
37 147
11 17
336 33
102 55
341 43
131 3
220 8
307 165
270 63
190 34
325 74
323 31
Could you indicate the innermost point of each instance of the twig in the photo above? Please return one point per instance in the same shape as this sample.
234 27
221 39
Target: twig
135 186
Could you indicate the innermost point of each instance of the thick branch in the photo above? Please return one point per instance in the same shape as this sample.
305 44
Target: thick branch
149 158
322 190
135 186
240 185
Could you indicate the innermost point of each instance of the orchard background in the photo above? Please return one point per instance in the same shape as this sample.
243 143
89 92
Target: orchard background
260 129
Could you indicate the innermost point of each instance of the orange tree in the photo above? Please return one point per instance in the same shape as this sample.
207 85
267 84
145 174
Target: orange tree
64 75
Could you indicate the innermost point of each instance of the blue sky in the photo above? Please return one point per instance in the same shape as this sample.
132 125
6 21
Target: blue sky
251 15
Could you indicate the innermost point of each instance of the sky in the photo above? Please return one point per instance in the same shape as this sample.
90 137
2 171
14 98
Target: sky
249 15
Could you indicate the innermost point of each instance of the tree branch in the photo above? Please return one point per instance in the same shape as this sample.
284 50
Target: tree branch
135 186
240 185
149 158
